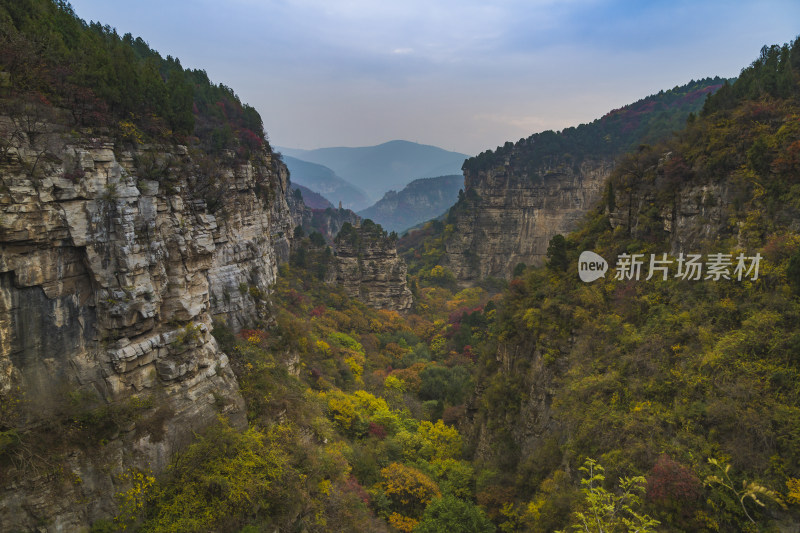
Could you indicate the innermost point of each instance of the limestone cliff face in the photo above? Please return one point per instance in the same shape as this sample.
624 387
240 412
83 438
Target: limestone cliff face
508 214
692 216
366 261
368 267
329 222
109 281
522 194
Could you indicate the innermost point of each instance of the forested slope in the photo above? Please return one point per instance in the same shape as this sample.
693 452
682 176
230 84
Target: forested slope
677 379
116 84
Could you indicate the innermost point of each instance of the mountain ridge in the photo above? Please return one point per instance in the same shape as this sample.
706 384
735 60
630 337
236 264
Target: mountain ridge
517 197
383 167
324 181
689 382
421 200
312 199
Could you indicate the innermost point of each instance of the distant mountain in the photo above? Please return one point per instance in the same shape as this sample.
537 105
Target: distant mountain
420 200
312 199
387 166
326 182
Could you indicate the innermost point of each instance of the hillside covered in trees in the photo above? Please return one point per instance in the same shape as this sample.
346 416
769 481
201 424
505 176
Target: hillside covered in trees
646 121
419 201
516 198
115 84
690 384
537 404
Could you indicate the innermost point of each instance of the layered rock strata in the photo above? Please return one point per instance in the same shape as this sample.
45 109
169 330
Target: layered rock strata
368 267
113 263
508 215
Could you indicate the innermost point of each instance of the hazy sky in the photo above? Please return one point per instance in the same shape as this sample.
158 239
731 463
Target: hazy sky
459 74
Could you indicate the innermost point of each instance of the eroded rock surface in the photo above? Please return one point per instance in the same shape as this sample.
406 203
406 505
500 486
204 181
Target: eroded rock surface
368 267
509 214
109 281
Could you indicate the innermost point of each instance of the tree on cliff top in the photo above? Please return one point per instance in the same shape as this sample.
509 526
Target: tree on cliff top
105 79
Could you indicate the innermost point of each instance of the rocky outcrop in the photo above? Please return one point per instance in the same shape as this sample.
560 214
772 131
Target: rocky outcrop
113 264
368 267
692 217
366 263
509 214
520 195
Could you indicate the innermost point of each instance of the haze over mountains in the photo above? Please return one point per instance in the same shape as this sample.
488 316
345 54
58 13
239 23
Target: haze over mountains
377 169
419 201
324 181
351 175
312 199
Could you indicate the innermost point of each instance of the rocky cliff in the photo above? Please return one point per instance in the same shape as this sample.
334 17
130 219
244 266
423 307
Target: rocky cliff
602 369
517 197
328 221
654 195
508 215
368 267
113 263
642 199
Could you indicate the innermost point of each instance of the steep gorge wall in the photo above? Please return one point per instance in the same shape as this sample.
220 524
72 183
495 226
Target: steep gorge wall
692 219
517 197
691 214
508 215
109 282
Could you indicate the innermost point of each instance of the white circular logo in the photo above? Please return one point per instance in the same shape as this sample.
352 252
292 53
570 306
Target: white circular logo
591 266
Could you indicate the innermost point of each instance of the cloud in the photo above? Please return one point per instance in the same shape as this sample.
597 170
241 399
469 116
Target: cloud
526 123
465 74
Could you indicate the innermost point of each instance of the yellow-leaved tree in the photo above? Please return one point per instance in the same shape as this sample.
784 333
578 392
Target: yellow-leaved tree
408 491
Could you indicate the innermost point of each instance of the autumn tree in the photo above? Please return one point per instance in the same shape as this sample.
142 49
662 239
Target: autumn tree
557 253
409 491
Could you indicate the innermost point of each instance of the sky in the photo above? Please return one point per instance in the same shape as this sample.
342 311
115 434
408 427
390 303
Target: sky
463 75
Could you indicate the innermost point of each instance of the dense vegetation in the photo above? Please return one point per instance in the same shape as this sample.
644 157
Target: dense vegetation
114 84
351 414
693 385
353 236
621 405
649 120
